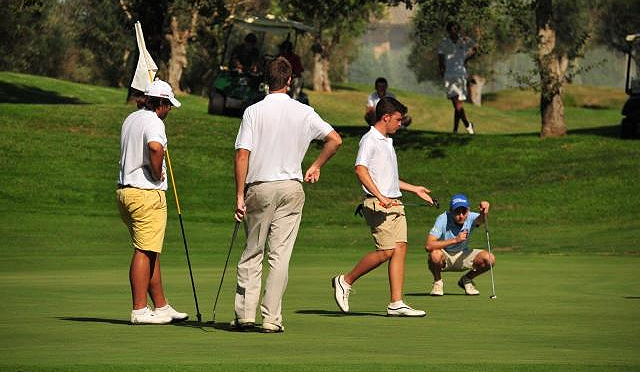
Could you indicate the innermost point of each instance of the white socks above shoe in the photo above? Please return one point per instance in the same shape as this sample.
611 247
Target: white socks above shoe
140 311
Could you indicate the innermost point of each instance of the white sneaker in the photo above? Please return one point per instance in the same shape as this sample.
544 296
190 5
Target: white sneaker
438 288
341 292
146 316
468 286
271 328
169 311
470 128
402 309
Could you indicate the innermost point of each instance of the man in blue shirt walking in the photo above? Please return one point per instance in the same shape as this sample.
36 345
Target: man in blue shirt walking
447 245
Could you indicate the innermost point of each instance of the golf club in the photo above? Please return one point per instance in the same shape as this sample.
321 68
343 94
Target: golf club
184 238
436 204
486 229
233 238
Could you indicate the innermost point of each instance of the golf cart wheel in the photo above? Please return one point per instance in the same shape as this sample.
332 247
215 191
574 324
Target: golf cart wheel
628 128
216 103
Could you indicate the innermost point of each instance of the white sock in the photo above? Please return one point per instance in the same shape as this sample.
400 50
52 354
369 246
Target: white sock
396 304
141 311
165 307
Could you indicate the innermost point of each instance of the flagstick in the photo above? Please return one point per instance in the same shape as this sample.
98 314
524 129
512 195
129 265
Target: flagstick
184 237
151 67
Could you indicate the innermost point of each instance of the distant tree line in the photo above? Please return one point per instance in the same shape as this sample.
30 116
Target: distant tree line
93 41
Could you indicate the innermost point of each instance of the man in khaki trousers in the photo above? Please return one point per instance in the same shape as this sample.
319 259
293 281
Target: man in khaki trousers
274 136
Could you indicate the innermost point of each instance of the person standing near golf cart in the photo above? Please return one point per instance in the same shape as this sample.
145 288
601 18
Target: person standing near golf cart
447 247
453 53
142 203
377 170
273 138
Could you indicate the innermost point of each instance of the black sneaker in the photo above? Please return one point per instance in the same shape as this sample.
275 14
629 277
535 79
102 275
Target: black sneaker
242 327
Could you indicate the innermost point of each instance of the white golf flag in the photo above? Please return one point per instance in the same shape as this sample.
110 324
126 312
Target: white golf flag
146 69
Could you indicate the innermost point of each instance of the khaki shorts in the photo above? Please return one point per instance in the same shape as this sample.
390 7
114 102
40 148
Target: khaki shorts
460 261
388 225
145 214
456 87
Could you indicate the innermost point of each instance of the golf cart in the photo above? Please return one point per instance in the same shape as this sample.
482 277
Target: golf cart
236 86
630 126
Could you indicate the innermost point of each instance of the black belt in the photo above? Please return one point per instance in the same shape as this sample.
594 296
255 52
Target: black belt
121 186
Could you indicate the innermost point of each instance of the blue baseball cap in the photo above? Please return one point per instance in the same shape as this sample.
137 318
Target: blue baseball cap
459 200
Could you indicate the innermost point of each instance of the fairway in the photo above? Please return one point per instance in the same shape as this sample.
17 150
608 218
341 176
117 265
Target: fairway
563 224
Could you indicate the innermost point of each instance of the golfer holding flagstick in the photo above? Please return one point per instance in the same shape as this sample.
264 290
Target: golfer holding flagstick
273 138
142 202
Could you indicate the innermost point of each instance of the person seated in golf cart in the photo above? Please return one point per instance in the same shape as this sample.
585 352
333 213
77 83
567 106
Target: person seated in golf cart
286 51
245 57
447 248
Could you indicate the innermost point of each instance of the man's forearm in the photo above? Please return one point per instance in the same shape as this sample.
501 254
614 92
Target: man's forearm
433 245
241 167
156 156
405 186
365 179
331 145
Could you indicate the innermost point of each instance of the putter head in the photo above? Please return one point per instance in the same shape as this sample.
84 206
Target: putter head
493 297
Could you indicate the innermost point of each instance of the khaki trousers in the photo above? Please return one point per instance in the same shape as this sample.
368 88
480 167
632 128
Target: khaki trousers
274 211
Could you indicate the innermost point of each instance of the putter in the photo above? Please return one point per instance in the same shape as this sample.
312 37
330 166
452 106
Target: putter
486 229
233 238
184 238
436 204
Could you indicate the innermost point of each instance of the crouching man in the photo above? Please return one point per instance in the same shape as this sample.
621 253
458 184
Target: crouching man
447 248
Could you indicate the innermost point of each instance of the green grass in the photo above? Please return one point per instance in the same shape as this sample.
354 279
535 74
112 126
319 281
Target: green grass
563 223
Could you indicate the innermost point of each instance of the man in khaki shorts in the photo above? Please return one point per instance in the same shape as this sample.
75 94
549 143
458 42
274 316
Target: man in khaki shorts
377 170
142 202
273 138
447 245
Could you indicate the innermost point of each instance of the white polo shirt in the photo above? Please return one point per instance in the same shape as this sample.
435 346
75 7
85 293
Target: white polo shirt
140 128
454 55
374 98
376 152
277 131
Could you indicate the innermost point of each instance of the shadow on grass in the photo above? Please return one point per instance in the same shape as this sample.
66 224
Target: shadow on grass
339 313
189 324
611 131
434 143
426 294
95 320
335 87
16 93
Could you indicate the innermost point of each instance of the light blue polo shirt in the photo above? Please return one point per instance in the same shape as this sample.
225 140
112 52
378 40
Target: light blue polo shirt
445 228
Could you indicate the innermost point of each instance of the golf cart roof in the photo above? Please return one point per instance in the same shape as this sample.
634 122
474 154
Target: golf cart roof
271 23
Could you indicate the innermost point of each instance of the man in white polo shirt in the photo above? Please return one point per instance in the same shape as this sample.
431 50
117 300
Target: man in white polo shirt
274 136
377 170
142 202
453 53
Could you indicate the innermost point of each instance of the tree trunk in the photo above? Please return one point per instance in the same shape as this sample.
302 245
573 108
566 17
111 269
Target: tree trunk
552 69
178 40
321 81
476 84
